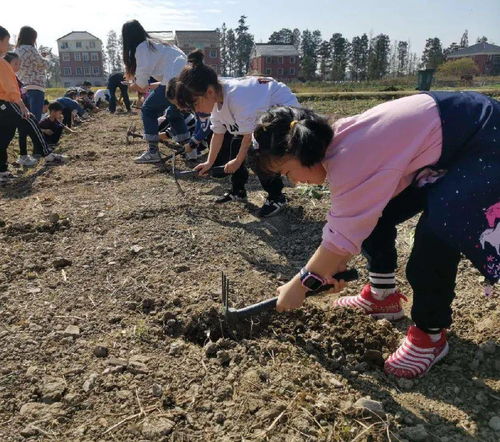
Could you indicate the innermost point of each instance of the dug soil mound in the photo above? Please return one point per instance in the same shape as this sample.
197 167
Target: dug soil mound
112 327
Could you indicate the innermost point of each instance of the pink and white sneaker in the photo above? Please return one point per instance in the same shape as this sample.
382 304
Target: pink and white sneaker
390 308
416 355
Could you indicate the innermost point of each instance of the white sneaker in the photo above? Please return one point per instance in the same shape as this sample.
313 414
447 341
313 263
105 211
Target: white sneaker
55 158
5 177
148 157
26 161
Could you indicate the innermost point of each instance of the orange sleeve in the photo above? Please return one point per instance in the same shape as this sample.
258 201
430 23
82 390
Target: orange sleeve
9 90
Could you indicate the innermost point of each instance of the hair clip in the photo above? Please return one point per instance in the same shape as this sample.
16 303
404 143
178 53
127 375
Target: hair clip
293 123
255 143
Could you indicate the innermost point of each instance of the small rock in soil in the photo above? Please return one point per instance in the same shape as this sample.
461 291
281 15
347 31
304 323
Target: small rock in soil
211 349
29 431
90 382
53 390
136 367
369 405
219 418
181 268
116 362
53 218
157 390
374 357
60 263
31 371
71 331
101 352
494 423
416 433
135 249
154 428
223 357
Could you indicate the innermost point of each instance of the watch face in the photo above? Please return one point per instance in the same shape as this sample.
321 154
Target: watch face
312 282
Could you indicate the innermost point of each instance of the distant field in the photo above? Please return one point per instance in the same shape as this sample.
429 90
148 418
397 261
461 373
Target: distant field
348 98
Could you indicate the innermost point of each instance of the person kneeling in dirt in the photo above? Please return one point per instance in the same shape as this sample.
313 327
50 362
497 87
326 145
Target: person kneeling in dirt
52 126
437 153
198 126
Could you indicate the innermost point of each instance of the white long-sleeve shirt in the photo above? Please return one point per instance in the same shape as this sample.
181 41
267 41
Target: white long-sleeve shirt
160 61
245 100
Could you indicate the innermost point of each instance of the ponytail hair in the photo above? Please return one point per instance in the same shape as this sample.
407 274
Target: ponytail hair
285 130
194 80
133 34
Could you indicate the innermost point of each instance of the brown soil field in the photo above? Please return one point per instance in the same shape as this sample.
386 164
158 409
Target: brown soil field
111 326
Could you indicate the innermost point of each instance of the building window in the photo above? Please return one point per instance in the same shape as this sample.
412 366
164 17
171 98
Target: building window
269 71
92 44
213 53
292 71
78 44
66 71
85 56
65 56
281 71
280 60
292 60
94 56
79 71
64 45
96 70
86 70
269 59
78 56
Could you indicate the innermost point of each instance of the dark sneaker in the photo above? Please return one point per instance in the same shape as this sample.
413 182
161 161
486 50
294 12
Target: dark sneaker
240 196
272 207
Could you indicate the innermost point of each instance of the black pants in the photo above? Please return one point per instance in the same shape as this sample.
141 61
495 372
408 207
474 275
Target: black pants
53 139
432 267
272 184
112 96
67 117
11 119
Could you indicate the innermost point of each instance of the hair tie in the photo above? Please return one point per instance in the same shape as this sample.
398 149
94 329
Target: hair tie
293 123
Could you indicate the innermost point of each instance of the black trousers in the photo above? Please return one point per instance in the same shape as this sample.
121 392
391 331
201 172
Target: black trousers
432 267
53 139
112 96
272 184
67 118
10 120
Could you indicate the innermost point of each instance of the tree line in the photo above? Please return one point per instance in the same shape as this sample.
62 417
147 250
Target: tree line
364 57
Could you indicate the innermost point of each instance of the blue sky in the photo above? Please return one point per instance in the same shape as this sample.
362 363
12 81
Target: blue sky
415 20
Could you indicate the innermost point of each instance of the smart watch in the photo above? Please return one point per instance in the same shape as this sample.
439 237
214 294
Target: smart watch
310 280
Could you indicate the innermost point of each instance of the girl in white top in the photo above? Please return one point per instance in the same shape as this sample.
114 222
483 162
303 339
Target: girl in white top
235 105
144 59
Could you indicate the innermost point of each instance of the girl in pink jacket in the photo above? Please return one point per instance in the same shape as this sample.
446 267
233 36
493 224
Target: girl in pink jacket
437 154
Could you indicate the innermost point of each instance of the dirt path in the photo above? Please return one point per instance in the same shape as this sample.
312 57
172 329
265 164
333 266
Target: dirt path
110 320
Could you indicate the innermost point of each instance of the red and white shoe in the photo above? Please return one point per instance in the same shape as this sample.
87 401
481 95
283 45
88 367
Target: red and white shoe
390 308
416 355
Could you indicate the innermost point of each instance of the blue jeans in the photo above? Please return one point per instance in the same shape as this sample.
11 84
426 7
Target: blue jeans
153 107
35 102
